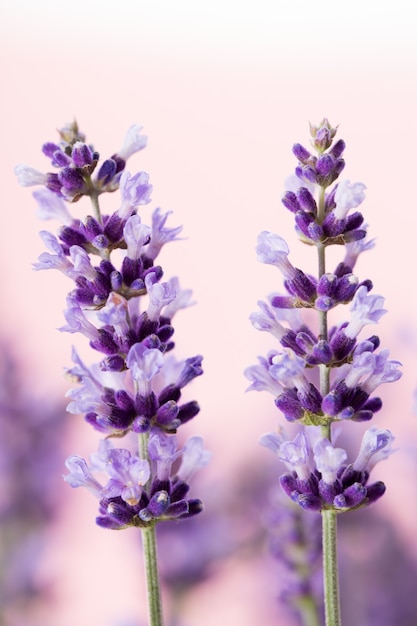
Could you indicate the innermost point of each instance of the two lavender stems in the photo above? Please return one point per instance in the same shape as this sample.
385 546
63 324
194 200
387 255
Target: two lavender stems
122 305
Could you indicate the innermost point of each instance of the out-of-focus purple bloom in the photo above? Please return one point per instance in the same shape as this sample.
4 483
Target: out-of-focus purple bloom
52 206
373 550
28 176
294 539
32 432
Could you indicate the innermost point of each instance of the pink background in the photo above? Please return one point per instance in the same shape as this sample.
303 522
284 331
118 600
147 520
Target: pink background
223 90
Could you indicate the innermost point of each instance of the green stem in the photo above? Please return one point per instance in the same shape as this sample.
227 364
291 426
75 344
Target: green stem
96 207
94 194
150 558
329 517
150 555
143 440
330 569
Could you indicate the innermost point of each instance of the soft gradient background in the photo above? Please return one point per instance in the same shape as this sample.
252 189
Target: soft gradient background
223 89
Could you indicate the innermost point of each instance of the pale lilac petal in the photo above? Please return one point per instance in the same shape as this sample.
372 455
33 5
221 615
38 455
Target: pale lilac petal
133 142
348 196
194 457
376 446
328 460
29 176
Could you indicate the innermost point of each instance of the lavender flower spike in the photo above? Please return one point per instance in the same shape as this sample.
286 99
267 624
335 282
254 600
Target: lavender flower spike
120 304
320 372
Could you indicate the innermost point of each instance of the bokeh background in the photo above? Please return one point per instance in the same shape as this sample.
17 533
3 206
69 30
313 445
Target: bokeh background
223 89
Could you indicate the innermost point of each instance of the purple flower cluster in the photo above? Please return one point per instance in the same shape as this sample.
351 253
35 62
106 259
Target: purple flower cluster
320 476
320 376
141 491
122 305
76 161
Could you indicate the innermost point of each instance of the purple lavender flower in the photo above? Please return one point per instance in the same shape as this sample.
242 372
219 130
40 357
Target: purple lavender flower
120 303
76 162
138 492
321 374
320 476
378 570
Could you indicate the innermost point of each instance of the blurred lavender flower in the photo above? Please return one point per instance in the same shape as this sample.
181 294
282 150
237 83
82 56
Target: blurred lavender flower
31 436
294 538
378 571
226 538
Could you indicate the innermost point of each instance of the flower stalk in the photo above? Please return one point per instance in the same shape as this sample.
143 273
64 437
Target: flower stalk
318 374
331 591
122 305
330 568
150 558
